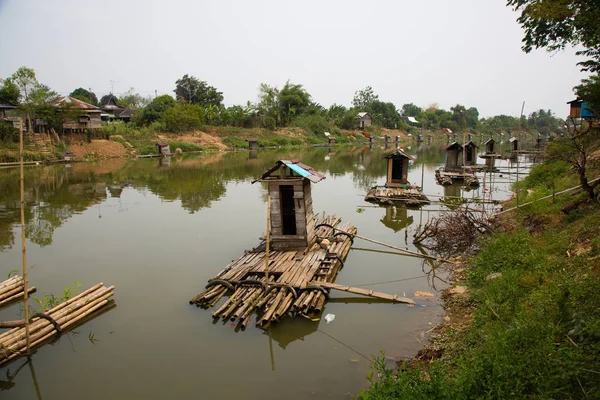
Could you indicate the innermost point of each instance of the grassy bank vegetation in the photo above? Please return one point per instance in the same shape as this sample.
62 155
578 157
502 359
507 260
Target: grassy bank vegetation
535 330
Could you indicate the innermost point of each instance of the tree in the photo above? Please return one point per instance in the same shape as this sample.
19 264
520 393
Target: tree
578 150
106 98
131 99
411 110
589 90
33 94
191 90
9 91
364 97
268 104
155 109
183 117
554 24
292 100
85 95
384 114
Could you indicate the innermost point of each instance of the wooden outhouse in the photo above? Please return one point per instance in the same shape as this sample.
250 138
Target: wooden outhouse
291 212
514 144
252 143
364 120
454 156
470 153
490 146
397 168
163 148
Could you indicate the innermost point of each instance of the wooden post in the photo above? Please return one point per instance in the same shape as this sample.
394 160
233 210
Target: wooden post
517 185
23 245
268 237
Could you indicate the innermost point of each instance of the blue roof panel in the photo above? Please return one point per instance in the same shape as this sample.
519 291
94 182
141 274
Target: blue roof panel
299 170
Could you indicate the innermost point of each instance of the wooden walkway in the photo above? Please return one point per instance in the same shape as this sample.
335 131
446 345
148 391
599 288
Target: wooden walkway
298 280
411 195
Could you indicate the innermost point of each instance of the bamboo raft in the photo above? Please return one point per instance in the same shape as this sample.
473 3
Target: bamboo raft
50 324
411 195
11 290
298 280
445 178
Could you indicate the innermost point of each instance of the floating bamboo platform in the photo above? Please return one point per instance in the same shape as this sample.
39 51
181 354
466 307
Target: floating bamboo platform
52 323
11 291
411 195
298 280
445 178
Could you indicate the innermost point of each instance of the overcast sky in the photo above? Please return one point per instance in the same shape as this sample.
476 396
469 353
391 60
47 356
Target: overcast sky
429 51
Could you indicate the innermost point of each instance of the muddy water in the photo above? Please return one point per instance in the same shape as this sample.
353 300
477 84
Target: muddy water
158 231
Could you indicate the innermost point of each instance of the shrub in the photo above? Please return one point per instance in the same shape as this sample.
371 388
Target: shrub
183 117
315 124
269 123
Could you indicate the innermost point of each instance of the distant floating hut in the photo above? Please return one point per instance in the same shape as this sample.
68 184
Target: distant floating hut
163 149
490 150
459 164
514 144
331 139
397 188
252 143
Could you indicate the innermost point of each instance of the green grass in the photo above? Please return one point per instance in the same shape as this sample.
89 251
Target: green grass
536 329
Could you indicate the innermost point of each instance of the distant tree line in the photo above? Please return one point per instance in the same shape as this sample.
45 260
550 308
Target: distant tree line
197 104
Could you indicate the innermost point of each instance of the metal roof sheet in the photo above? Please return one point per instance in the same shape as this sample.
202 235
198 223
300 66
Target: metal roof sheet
303 170
398 154
73 102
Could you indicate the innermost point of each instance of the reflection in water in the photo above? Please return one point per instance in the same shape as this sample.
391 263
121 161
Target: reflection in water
292 329
396 218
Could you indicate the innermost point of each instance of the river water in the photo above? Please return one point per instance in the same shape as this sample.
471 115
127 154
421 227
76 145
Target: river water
159 230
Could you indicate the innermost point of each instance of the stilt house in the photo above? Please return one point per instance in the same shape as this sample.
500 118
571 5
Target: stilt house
579 109
6 105
291 212
397 168
85 116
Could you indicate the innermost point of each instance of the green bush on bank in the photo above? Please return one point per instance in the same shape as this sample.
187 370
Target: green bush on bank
536 329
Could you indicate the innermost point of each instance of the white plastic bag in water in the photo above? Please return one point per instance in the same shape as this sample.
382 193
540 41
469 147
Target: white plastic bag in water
329 317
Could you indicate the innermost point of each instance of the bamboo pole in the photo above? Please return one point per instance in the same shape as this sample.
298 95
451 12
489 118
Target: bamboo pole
23 245
268 237
396 248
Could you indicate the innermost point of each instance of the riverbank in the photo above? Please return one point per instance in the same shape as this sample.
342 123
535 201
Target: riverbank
522 316
120 140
